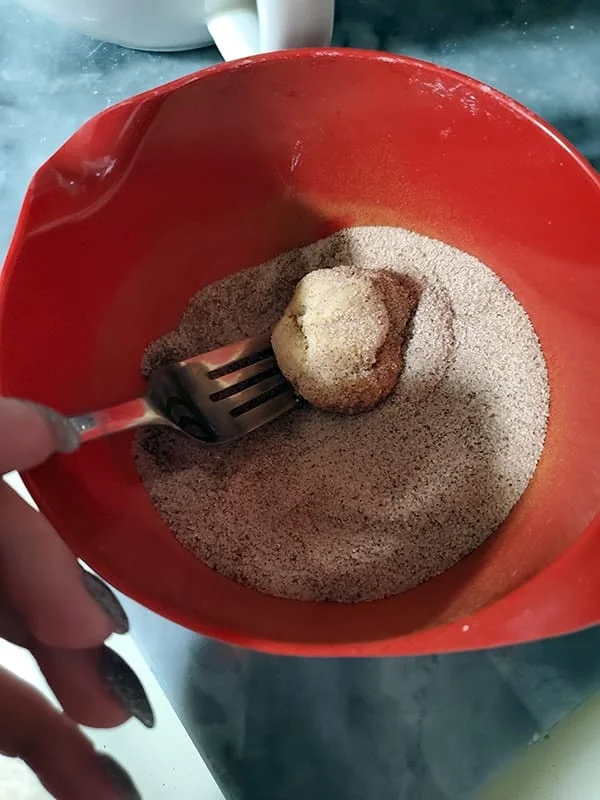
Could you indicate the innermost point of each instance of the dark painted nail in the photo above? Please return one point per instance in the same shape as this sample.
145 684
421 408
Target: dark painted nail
66 435
107 601
120 778
126 686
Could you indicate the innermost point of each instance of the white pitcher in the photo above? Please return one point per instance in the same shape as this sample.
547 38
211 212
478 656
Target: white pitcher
238 27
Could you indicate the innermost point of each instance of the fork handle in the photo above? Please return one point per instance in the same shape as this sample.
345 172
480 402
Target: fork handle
131 414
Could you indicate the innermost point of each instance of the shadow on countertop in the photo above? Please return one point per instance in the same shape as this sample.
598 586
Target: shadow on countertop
431 22
432 728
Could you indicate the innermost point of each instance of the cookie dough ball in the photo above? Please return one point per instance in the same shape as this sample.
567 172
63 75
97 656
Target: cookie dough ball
339 342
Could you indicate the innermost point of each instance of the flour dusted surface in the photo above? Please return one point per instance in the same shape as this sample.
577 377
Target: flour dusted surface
323 507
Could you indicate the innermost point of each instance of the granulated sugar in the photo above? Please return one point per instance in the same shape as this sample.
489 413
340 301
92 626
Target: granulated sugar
324 507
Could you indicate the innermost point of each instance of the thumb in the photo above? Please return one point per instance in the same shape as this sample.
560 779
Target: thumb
30 433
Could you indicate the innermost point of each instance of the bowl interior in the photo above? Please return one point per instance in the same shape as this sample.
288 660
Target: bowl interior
159 196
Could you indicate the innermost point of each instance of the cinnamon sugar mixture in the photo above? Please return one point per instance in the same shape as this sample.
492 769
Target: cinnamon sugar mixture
318 506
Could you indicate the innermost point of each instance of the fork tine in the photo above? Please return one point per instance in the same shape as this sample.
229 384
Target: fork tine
224 359
227 385
274 384
269 410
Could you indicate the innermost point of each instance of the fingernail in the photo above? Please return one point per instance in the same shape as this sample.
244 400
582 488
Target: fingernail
120 778
66 435
126 685
107 601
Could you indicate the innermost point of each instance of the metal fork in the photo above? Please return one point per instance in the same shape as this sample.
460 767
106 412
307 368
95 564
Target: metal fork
214 397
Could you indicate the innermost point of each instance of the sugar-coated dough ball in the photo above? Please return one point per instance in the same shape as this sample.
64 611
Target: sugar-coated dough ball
339 342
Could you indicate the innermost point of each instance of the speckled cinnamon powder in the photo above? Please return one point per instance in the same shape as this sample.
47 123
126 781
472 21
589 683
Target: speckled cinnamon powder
324 507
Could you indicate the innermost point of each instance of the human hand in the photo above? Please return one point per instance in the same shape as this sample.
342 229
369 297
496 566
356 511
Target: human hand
63 615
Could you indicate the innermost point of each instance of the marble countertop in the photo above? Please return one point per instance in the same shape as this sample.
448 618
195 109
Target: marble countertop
429 728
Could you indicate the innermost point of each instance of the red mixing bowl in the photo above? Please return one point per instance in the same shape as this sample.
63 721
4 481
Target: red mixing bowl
158 196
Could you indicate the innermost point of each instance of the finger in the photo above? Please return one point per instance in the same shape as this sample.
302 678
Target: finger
30 434
95 687
42 580
26 437
12 627
75 678
54 747
80 679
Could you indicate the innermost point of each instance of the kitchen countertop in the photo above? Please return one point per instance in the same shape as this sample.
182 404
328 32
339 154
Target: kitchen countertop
431 728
